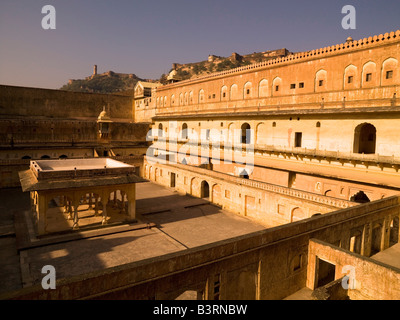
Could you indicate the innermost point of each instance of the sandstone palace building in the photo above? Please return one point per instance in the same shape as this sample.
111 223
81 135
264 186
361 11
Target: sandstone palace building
307 145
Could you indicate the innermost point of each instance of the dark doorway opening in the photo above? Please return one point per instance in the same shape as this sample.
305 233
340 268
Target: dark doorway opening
205 190
246 133
244 174
360 197
365 139
297 139
172 180
326 272
184 131
376 239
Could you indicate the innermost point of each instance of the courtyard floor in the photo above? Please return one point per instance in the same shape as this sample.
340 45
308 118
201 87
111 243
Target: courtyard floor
167 222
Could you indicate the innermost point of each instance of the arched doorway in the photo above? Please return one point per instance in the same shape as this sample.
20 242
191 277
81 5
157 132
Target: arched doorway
246 134
205 190
244 175
297 214
365 139
360 197
160 130
184 131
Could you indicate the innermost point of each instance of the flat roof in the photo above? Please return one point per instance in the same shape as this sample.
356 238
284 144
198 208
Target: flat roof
79 164
78 168
76 173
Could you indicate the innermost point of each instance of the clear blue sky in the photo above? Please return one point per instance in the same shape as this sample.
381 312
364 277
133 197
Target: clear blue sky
145 37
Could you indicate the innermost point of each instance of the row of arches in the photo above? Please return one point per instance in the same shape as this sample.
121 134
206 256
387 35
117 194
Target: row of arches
364 135
377 242
216 193
369 75
45 157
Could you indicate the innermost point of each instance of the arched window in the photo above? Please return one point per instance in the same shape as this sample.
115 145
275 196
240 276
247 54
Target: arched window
190 97
389 71
276 86
181 99
365 139
369 75
201 96
246 133
261 134
224 93
233 95
247 90
320 80
318 125
350 79
263 88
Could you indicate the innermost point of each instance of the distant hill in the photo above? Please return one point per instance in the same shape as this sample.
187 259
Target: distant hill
108 82
123 83
217 64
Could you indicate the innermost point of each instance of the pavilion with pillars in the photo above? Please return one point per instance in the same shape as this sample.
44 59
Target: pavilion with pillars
75 193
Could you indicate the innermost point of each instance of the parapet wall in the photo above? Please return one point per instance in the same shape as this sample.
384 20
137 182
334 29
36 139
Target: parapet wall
268 264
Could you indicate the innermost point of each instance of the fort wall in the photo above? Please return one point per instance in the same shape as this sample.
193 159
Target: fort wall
35 102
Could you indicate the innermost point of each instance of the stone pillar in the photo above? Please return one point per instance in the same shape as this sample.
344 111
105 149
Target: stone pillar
90 201
33 205
366 240
96 204
70 214
386 232
76 218
104 221
115 199
41 214
123 211
131 197
104 201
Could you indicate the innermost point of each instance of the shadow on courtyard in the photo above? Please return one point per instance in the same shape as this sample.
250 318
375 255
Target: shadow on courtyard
81 256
